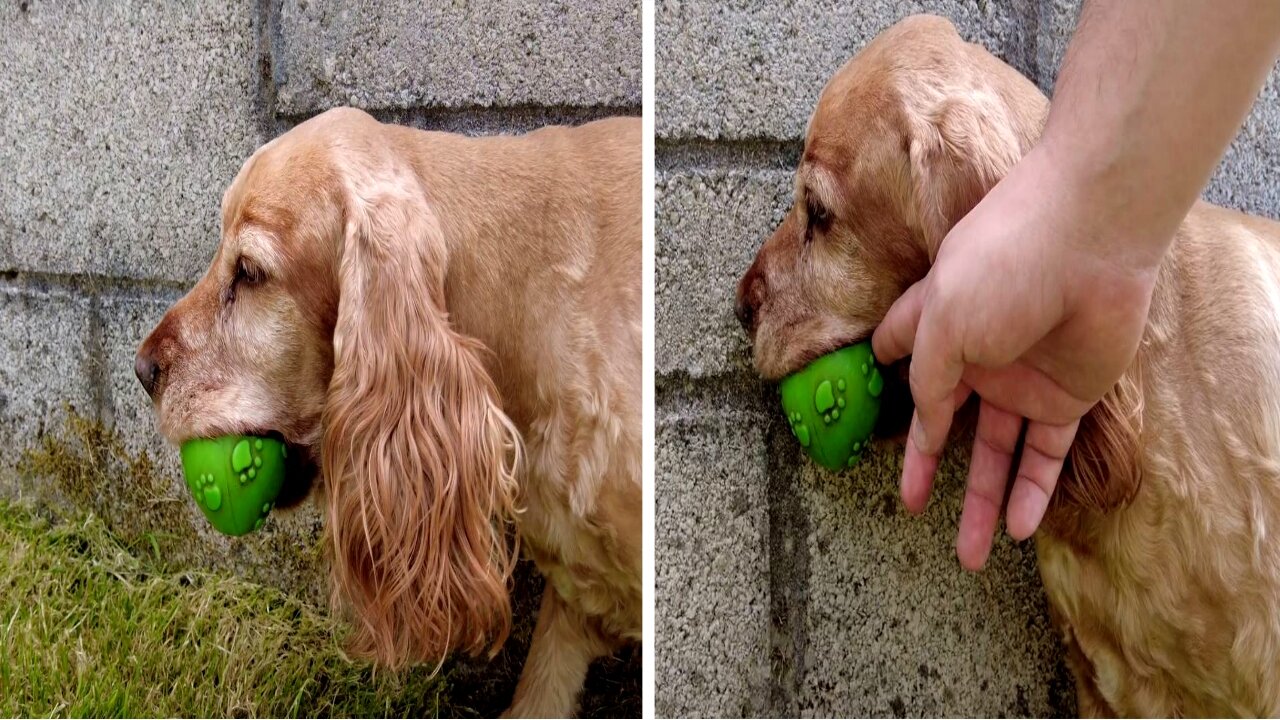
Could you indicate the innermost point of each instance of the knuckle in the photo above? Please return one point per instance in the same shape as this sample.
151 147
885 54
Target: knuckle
916 382
926 387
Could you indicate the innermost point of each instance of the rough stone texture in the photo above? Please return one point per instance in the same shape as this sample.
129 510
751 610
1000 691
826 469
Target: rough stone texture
121 125
404 54
1247 177
498 121
916 635
712 587
747 70
1053 33
45 365
711 224
130 317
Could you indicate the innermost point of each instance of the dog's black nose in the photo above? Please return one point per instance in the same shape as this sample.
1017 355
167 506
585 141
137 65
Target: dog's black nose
148 372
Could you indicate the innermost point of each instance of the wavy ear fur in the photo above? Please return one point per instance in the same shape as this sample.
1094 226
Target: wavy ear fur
1102 471
420 462
959 150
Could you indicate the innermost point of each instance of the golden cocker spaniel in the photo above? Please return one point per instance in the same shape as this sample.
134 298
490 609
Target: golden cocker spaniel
448 331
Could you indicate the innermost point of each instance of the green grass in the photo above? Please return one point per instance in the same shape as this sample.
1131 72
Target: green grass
89 628
106 615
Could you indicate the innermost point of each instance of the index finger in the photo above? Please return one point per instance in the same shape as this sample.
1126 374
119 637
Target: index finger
896 335
936 369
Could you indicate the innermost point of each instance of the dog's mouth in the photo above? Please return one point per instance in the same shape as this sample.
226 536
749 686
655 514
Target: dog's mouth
301 471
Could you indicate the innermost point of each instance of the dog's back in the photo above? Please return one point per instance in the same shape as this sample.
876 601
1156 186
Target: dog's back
1170 605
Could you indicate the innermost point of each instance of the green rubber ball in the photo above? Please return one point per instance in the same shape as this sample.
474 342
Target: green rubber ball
235 479
832 405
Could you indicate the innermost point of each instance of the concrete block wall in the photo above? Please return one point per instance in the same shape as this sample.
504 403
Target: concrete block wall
783 589
124 122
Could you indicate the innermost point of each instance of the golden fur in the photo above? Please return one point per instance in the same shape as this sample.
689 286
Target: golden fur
450 328
1159 552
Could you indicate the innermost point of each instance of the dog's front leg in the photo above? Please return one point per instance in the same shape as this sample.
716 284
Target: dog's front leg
564 644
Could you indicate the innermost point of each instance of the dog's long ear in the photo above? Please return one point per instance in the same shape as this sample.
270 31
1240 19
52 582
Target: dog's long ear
959 148
419 459
964 133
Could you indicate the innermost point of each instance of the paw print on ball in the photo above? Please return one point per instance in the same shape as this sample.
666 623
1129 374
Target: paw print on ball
875 383
828 403
799 429
246 459
246 462
235 479
829 400
207 492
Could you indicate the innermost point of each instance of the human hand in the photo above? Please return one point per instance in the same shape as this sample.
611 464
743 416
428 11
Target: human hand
1036 306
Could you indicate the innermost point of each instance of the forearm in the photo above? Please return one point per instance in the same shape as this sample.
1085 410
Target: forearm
1149 97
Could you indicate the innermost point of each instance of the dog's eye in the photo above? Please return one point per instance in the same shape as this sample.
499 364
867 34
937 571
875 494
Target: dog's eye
247 275
247 272
819 219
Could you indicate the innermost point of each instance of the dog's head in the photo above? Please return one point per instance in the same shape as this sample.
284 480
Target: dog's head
322 321
906 138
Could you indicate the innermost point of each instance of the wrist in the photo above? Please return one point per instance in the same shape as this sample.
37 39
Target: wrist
1100 206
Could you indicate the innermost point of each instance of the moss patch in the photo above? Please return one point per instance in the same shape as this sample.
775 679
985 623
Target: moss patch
92 469
91 629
